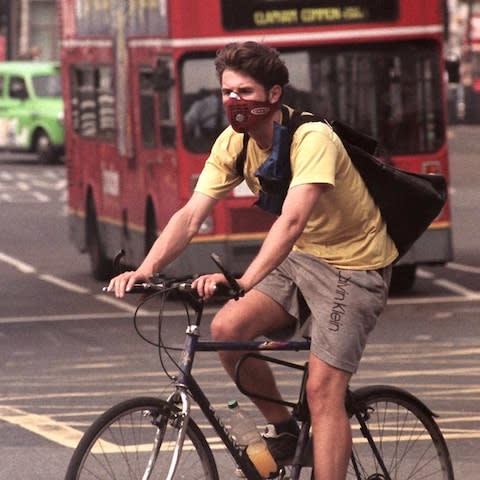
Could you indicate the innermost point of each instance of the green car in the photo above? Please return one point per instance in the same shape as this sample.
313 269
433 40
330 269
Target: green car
31 109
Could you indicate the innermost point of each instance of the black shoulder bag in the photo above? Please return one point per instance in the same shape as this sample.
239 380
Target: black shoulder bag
408 201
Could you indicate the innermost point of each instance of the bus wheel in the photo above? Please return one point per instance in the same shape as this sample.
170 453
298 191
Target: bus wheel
101 266
403 278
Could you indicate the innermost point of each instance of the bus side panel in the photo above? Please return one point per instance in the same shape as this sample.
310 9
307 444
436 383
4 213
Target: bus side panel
435 246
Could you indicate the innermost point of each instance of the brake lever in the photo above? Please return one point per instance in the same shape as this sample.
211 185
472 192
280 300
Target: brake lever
117 260
237 291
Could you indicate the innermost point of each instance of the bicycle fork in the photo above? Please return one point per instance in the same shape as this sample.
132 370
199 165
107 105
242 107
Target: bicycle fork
180 421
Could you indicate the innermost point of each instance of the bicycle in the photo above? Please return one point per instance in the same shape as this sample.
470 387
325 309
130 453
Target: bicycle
395 435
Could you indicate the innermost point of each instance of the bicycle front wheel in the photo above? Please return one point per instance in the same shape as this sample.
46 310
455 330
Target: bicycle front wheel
405 433
135 440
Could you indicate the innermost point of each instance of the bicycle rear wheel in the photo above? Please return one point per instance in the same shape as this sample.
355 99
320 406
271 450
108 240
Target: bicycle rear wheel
407 437
119 444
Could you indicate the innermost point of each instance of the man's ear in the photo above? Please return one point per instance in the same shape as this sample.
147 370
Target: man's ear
275 94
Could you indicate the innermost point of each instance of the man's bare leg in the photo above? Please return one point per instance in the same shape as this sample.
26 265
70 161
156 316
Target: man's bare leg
332 438
252 316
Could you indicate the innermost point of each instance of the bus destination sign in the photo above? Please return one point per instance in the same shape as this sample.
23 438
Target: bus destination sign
247 14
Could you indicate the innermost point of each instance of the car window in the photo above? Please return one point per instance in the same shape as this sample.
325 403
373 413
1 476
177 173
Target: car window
47 85
18 88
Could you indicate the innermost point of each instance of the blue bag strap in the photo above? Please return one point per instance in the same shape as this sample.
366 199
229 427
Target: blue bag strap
242 156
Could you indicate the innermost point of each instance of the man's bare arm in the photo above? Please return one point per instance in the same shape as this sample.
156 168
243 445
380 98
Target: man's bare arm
296 211
175 237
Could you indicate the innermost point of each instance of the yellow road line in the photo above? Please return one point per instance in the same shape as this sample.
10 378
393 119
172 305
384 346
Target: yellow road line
42 425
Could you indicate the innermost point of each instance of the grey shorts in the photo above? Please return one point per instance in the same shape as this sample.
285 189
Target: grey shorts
336 308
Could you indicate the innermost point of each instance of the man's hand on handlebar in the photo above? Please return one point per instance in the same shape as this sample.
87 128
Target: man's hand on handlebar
124 282
207 285
220 284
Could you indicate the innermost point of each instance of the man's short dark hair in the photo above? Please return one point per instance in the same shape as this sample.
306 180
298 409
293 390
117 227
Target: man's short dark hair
257 60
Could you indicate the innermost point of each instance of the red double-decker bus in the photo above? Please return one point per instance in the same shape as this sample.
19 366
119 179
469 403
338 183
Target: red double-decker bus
143 108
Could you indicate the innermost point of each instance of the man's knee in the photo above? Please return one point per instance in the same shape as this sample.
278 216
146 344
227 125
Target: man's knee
219 328
326 388
225 324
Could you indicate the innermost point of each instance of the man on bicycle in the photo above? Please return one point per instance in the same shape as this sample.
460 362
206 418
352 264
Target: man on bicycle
324 266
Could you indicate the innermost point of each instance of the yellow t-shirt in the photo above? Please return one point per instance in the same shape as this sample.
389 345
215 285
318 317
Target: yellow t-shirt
345 228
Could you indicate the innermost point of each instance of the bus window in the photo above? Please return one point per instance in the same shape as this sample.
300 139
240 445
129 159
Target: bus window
93 102
164 83
84 91
202 110
299 92
389 92
105 100
147 108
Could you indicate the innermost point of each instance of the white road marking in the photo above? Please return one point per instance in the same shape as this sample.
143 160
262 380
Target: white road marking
463 294
63 318
7 176
18 264
5 197
456 288
116 303
72 287
27 187
463 268
41 197
23 186
433 300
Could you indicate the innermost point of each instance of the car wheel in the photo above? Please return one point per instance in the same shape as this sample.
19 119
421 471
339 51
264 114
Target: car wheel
43 148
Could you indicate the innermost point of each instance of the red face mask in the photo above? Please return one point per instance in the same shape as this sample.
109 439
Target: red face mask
245 114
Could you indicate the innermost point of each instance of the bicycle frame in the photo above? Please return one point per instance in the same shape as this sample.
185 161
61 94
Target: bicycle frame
185 383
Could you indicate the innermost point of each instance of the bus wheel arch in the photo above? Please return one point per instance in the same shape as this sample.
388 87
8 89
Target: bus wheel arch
101 266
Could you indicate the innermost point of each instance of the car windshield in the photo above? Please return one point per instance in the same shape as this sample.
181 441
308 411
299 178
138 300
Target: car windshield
47 86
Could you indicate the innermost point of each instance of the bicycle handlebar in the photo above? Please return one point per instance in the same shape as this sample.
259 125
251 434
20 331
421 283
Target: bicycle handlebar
222 291
156 284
